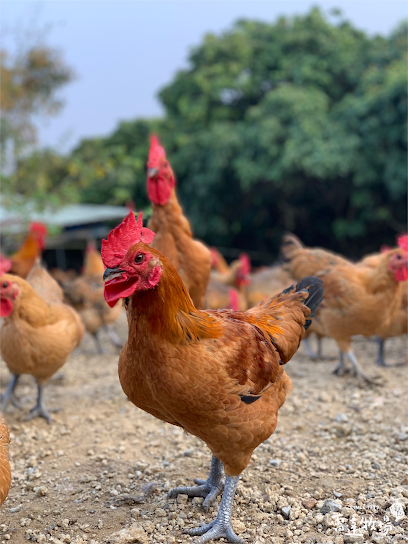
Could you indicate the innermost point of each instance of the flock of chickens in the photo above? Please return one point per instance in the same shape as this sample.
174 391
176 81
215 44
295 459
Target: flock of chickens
207 341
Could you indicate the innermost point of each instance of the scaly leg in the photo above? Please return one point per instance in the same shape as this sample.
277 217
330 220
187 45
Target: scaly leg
308 349
358 370
340 369
319 347
114 337
39 409
380 357
9 395
209 488
100 349
221 526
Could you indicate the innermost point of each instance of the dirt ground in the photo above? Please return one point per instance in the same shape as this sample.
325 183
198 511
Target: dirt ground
334 471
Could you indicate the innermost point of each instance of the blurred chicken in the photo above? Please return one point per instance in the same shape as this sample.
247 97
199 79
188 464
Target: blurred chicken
34 244
173 232
218 263
63 276
266 283
38 333
399 325
85 294
357 300
5 470
218 375
221 296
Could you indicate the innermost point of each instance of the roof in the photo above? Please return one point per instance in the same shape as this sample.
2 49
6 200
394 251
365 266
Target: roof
67 216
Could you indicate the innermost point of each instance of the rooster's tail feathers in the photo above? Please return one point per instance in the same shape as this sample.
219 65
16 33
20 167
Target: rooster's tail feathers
314 287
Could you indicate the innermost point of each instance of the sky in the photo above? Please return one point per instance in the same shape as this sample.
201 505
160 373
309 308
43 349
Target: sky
124 52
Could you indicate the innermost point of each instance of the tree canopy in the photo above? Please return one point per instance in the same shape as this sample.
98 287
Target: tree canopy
298 125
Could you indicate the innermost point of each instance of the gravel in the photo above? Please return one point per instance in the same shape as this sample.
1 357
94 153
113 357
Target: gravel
75 481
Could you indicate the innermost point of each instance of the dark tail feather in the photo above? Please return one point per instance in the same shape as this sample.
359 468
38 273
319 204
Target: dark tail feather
314 286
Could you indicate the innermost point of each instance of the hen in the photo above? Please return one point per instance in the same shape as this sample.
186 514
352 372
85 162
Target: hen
217 374
5 470
39 332
85 294
357 300
34 244
173 232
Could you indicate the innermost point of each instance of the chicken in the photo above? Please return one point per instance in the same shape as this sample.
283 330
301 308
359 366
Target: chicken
173 232
357 300
5 470
220 296
399 324
266 283
218 263
217 374
85 294
34 244
39 332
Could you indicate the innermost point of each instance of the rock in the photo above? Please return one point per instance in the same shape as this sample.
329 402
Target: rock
341 418
16 508
41 491
285 511
238 526
275 462
349 537
331 506
131 535
337 494
309 503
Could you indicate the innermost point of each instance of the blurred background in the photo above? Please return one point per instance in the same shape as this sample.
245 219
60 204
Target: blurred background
276 116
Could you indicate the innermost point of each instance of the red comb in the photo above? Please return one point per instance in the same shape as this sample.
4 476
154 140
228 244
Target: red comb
123 237
38 227
245 263
214 256
233 300
156 152
5 265
403 242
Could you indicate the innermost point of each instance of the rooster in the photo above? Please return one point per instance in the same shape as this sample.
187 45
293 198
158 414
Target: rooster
173 232
357 300
38 333
219 375
34 244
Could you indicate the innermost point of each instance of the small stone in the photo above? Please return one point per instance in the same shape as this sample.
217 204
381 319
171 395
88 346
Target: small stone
41 491
341 418
188 453
182 499
309 503
275 462
349 537
131 535
238 526
337 494
285 511
16 508
331 506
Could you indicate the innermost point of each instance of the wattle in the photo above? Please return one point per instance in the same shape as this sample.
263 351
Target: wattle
116 290
6 307
401 274
159 191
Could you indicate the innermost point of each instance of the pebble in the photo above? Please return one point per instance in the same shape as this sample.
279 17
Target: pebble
309 503
331 506
285 511
275 462
131 535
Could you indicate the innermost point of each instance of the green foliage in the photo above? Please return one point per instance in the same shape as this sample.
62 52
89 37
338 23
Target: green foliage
298 125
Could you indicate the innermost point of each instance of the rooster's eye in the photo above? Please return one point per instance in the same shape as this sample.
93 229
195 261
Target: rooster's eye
139 258
399 256
5 285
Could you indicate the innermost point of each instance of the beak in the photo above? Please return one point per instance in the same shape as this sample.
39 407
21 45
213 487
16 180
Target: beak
152 172
111 273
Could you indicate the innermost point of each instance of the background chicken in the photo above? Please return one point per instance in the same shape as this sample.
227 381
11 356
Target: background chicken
85 294
5 470
357 300
173 232
217 374
39 332
221 296
34 244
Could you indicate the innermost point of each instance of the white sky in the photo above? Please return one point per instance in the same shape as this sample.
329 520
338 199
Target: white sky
124 52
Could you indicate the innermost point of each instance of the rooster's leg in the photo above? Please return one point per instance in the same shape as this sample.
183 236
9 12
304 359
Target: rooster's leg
209 488
380 357
9 395
114 338
308 349
221 526
319 348
340 370
39 409
358 370
100 349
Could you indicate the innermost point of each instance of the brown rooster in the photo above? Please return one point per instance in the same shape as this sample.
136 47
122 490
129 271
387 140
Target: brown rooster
174 238
357 300
34 244
219 375
5 470
39 332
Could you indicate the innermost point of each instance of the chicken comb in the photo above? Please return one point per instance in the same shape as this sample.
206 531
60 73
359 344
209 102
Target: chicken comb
156 152
39 228
245 264
123 237
403 242
214 256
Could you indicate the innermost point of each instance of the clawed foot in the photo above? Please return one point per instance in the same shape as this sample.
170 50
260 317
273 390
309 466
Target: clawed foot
206 489
214 530
14 401
41 411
